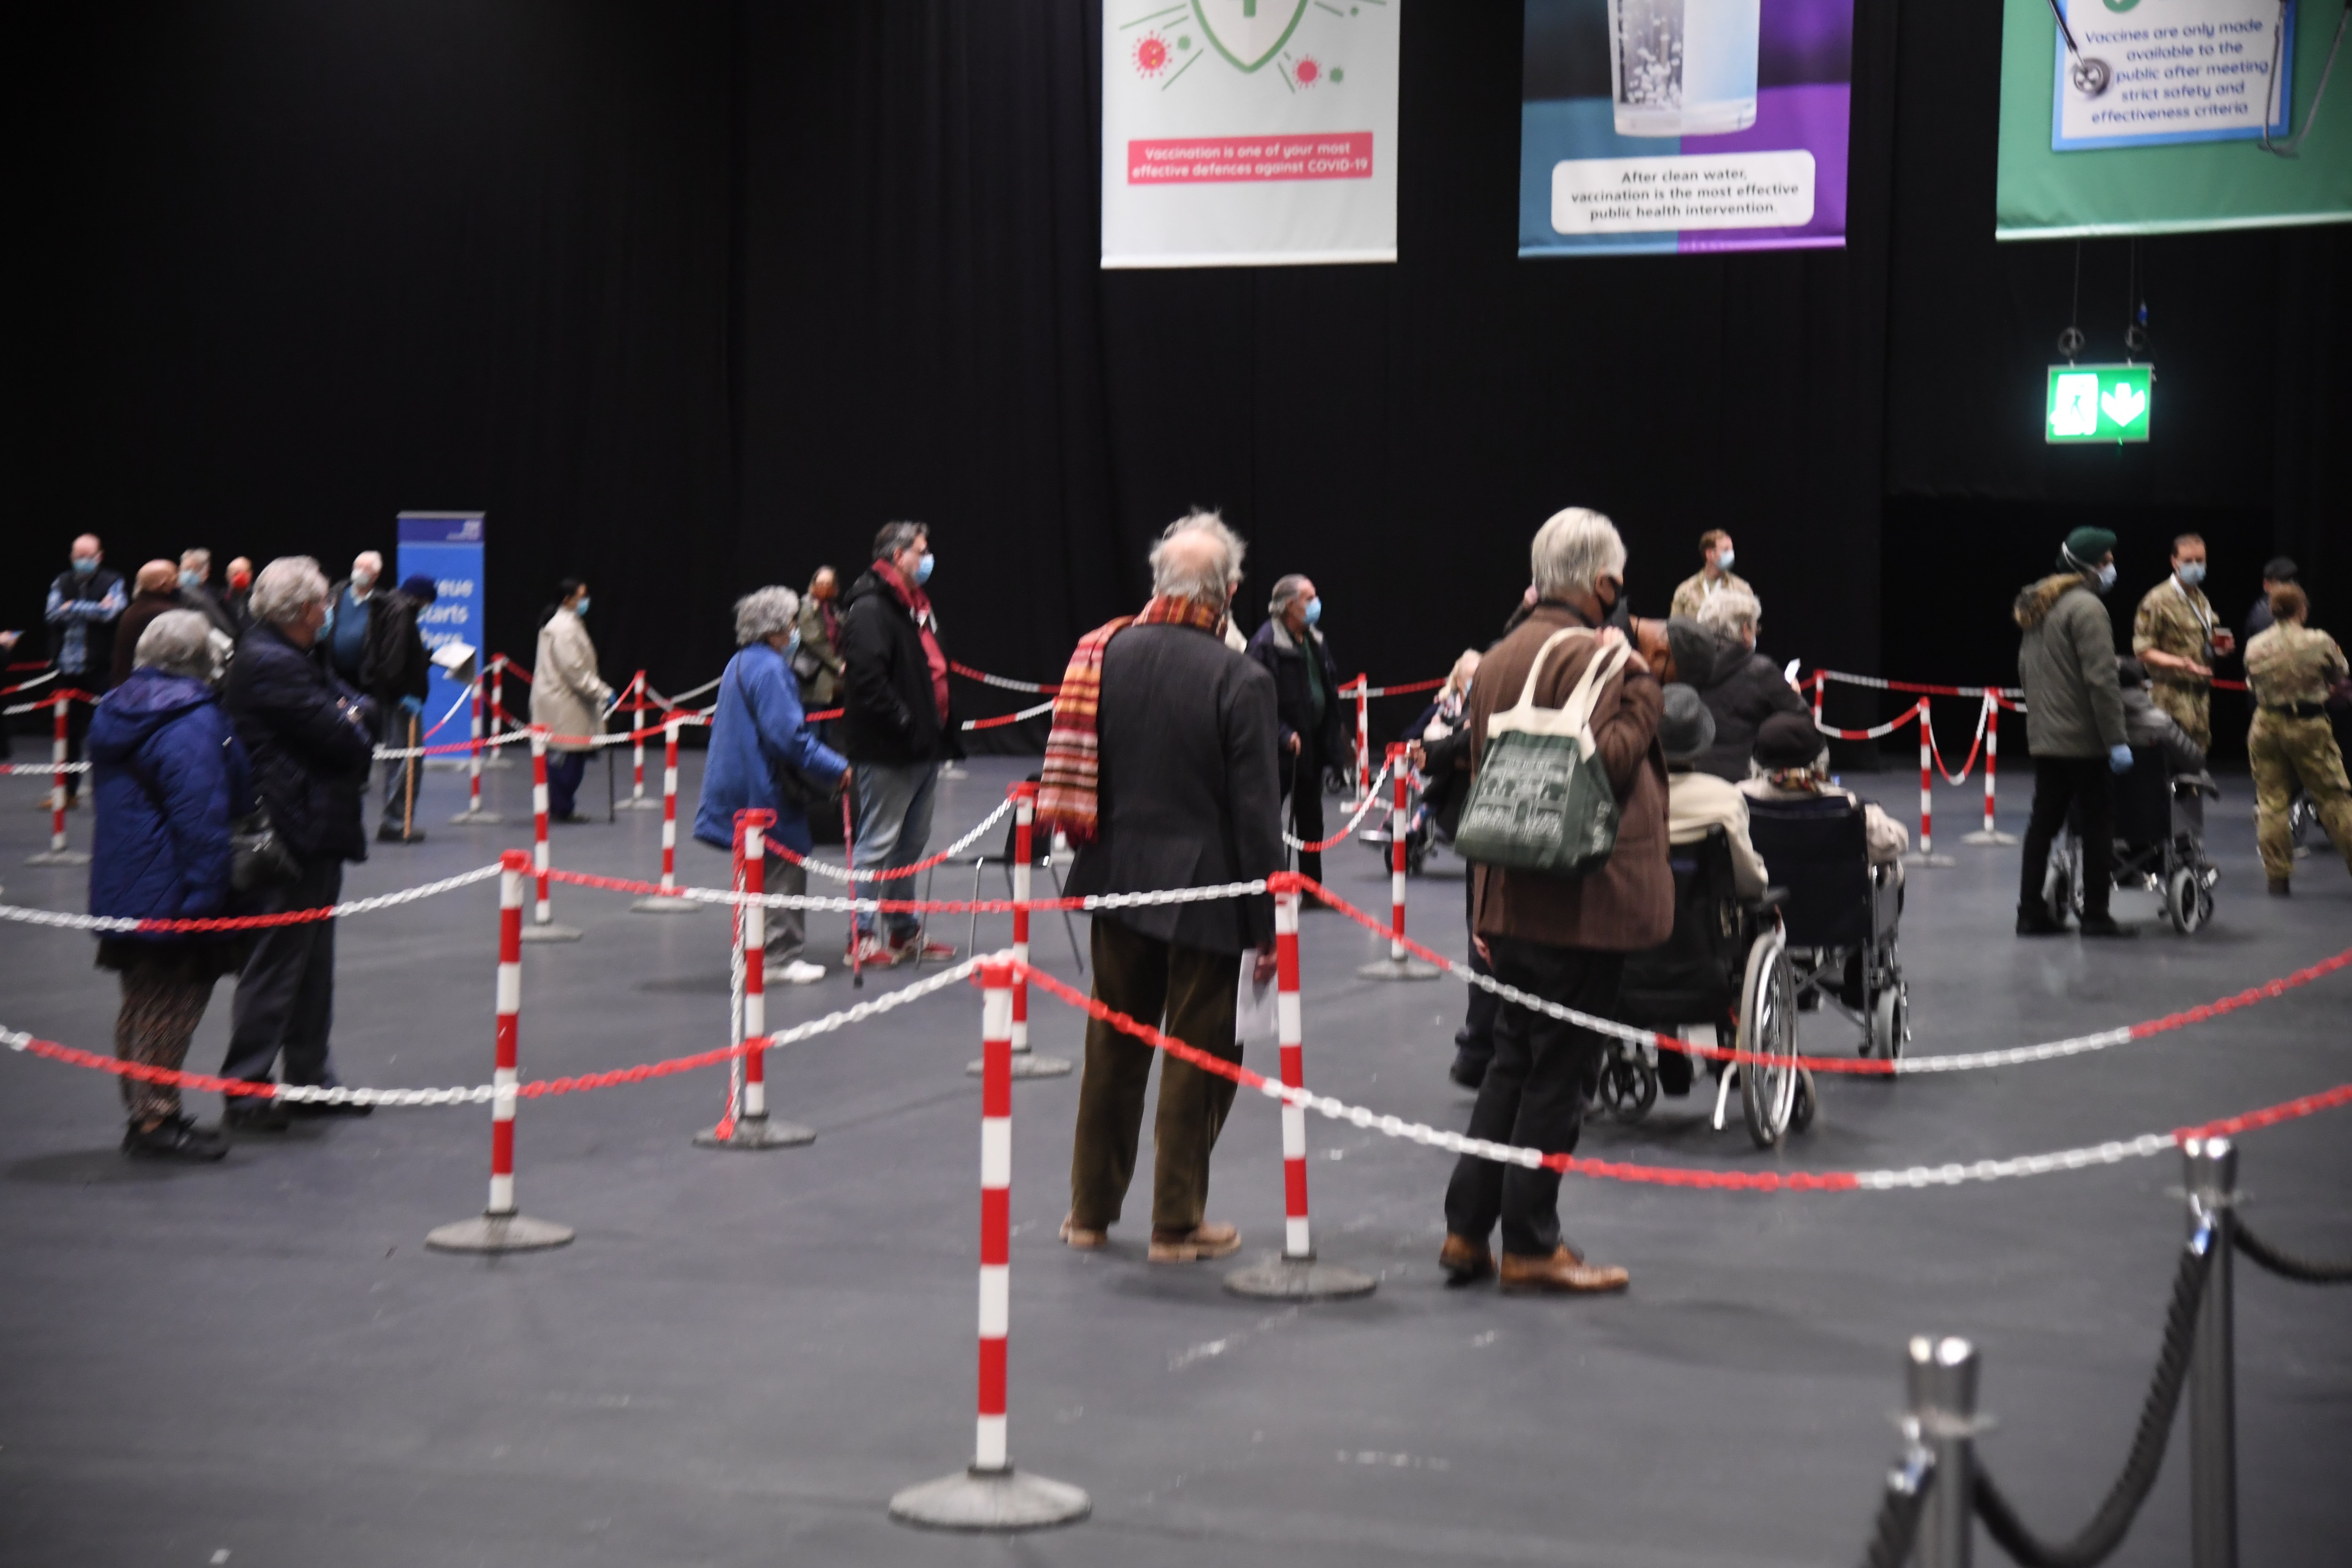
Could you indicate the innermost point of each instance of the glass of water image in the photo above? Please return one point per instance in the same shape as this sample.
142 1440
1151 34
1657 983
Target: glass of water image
1684 68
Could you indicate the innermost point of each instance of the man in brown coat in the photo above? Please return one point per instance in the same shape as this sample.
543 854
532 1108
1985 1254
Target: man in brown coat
1564 939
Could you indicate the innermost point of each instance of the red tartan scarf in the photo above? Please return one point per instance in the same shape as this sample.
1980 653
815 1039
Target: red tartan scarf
1067 790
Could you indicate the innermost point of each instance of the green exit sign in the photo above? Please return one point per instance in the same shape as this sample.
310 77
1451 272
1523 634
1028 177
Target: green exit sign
2098 403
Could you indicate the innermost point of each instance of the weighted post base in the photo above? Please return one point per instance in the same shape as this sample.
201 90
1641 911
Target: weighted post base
500 1233
1982 836
551 933
1282 1279
57 857
476 819
496 762
990 1502
658 904
1398 969
648 804
1920 857
756 1135
1027 1064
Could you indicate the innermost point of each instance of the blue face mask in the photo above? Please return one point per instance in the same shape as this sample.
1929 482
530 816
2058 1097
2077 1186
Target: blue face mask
1723 559
2191 573
1314 611
792 644
582 607
84 566
2106 577
190 580
923 568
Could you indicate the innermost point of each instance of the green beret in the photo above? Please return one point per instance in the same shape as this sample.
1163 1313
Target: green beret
2090 545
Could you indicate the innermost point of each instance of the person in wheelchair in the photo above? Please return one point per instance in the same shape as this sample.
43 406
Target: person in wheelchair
1695 801
2152 731
1792 764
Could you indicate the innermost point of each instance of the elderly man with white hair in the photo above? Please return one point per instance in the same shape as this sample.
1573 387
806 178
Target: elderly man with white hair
764 756
1563 938
351 611
1160 769
1715 653
309 736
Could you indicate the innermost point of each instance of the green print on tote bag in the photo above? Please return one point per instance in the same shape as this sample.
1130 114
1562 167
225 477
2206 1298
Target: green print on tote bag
1541 801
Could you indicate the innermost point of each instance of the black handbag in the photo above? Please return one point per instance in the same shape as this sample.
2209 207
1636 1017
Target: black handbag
258 859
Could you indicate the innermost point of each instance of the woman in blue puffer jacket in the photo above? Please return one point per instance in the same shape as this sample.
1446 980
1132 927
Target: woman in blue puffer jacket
759 731
170 781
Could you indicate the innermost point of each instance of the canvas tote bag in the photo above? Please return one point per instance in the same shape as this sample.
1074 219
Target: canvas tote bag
1541 801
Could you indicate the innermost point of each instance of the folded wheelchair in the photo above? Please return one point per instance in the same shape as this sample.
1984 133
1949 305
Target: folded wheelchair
2159 846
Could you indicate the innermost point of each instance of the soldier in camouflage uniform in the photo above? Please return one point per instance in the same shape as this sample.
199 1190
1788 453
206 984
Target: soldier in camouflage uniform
2176 635
1693 592
2289 669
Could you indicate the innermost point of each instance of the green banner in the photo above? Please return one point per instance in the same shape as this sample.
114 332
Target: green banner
2118 161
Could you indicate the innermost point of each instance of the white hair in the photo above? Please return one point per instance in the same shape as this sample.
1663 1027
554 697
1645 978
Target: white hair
196 559
371 559
285 588
764 613
1731 612
1203 576
177 642
1574 550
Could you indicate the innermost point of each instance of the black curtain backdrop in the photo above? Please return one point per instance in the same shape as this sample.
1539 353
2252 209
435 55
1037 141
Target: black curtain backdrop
692 298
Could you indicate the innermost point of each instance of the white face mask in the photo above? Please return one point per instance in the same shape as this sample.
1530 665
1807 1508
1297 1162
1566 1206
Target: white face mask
1723 559
362 582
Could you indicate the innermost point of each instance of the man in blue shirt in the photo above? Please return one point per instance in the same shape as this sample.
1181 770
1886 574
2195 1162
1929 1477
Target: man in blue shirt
351 605
85 602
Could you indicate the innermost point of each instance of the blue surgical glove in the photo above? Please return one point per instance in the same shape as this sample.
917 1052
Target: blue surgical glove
414 708
2119 759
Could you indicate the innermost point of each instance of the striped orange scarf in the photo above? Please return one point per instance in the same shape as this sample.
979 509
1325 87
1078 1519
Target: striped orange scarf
1069 788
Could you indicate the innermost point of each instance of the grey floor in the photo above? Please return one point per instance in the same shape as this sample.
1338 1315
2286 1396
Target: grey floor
742 1358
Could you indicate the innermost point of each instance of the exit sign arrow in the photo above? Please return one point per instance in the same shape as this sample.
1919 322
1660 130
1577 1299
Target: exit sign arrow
2123 403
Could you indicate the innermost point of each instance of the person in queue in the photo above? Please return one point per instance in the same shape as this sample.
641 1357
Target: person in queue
84 603
2291 668
168 780
2176 635
1714 653
309 739
2277 572
1564 939
351 610
897 725
2074 725
1162 771
396 670
816 662
1316 728
1437 743
1793 763
568 698
155 592
1697 800
195 586
760 737
239 600
1714 576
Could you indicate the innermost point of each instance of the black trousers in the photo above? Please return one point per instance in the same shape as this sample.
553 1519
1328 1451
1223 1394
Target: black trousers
1474 1040
1307 805
286 998
1534 1093
2059 784
77 729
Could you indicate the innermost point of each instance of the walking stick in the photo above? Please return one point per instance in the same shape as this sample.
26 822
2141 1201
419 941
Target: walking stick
849 855
408 769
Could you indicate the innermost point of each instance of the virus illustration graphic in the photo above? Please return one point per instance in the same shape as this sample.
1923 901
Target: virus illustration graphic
1152 55
1307 72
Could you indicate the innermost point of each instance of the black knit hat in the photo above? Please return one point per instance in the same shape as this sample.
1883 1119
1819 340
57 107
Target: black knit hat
1789 741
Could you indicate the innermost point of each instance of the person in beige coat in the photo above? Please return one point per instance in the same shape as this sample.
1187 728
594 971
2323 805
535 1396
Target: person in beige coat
568 698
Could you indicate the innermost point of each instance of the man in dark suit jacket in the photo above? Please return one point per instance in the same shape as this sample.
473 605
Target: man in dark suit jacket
1189 796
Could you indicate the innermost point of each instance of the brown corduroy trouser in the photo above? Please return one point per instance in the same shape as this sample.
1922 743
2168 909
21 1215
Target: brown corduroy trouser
1189 994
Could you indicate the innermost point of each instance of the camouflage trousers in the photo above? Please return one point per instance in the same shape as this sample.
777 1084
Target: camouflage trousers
2190 706
2285 753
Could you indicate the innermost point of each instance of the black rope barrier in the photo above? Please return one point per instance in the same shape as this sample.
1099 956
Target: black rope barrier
1891 1534
2289 1266
2106 1528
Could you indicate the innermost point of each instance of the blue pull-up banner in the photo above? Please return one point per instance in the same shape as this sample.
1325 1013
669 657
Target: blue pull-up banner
446 546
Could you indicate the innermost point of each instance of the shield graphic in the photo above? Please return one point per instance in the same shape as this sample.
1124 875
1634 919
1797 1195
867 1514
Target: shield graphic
1249 32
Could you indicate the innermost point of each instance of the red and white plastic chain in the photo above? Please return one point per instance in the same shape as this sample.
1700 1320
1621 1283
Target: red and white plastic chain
829 905
67 921
1975 746
1372 797
844 874
1003 683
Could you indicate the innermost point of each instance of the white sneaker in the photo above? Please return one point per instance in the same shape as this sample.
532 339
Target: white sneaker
799 971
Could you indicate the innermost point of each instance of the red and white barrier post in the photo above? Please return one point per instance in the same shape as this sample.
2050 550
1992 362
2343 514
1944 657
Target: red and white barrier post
1363 742
1990 833
637 800
746 1126
666 902
56 854
499 1228
1025 1062
496 756
1821 682
474 813
1294 1275
989 1495
1925 855
1398 964
542 926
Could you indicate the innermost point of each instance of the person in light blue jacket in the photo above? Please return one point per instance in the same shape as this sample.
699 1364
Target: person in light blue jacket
759 736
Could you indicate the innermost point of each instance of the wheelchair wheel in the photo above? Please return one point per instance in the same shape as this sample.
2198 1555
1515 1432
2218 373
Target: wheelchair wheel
1890 1023
2062 885
1767 1029
2187 900
2302 819
1801 1113
1629 1085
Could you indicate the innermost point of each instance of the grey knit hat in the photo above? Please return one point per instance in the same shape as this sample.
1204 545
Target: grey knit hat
1686 729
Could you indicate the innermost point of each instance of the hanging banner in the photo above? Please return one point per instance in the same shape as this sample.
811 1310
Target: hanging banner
2122 117
1249 132
1684 125
445 546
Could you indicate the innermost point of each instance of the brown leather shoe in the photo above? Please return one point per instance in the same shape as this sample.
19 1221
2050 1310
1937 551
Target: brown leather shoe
1206 1240
1078 1236
1563 1274
1466 1261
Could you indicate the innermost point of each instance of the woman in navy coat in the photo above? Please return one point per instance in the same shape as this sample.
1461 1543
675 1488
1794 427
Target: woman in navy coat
170 780
759 731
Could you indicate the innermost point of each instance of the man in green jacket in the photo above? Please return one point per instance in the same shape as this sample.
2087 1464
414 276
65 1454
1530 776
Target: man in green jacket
2074 725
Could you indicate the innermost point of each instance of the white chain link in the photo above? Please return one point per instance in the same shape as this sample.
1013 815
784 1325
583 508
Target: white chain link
44 768
1042 709
1372 797
844 874
63 920
822 904
1877 684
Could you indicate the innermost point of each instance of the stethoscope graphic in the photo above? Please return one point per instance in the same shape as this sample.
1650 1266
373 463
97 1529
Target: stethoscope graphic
2090 75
